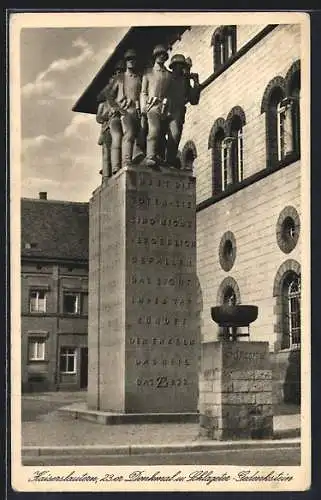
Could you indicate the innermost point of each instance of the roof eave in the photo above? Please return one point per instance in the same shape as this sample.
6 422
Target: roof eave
87 103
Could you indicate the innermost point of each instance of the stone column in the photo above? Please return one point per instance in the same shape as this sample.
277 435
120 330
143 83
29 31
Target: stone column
236 391
143 337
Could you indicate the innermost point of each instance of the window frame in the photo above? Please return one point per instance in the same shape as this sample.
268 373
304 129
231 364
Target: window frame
68 356
225 164
37 342
291 299
224 45
240 154
79 295
38 291
284 115
188 156
288 299
282 146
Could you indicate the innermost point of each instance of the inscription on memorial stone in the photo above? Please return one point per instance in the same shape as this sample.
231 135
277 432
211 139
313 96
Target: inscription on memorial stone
161 270
144 258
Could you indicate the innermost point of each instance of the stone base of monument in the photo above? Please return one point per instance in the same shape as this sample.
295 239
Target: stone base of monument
81 411
235 391
143 317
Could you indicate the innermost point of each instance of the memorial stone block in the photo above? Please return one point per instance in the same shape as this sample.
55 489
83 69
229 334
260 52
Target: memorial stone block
239 403
144 342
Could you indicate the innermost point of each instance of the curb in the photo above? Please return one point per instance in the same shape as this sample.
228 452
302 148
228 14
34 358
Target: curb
157 449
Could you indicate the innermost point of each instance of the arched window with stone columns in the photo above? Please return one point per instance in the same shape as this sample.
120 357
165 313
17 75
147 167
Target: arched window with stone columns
235 122
277 121
224 45
287 309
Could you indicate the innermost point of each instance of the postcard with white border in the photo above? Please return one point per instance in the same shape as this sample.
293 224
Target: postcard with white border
160 241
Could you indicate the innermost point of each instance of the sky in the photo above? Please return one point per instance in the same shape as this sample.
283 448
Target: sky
59 151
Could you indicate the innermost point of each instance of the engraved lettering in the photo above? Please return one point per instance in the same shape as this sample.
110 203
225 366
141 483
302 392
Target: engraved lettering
162 382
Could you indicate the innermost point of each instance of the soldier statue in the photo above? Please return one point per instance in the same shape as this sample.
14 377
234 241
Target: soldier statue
103 116
195 89
154 105
178 96
180 92
124 98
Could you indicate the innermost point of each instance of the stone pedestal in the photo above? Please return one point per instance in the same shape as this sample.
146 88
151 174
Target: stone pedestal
236 391
143 333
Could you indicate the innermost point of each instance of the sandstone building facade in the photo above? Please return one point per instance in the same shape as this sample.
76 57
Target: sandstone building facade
243 140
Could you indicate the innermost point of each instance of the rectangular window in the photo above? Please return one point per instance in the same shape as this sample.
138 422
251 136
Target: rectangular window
38 301
68 357
221 53
71 303
75 303
230 48
284 130
294 321
36 350
226 164
240 154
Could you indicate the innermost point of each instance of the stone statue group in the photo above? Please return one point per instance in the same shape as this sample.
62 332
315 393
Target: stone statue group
142 116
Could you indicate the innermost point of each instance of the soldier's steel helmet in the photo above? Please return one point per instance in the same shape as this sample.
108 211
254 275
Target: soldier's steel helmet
189 62
119 66
177 59
130 54
160 49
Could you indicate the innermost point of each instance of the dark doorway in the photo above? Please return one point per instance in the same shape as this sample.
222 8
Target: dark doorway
83 367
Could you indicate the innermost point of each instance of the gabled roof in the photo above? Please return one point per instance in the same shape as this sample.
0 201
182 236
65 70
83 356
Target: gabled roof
54 229
143 39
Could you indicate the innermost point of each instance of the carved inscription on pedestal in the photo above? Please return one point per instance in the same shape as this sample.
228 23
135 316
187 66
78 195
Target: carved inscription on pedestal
162 347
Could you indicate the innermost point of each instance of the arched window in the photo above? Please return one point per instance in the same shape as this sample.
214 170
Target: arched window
291 311
189 155
219 157
226 141
228 293
229 296
224 45
281 103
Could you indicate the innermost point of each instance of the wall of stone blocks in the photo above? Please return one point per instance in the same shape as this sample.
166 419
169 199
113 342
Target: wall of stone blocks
251 214
235 389
243 84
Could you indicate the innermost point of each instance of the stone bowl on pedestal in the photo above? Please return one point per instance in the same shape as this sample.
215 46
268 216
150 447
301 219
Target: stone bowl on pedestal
237 316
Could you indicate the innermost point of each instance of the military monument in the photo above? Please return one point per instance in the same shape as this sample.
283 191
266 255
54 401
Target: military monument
144 344
145 357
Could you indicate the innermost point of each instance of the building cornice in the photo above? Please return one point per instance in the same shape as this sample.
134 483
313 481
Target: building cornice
25 259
